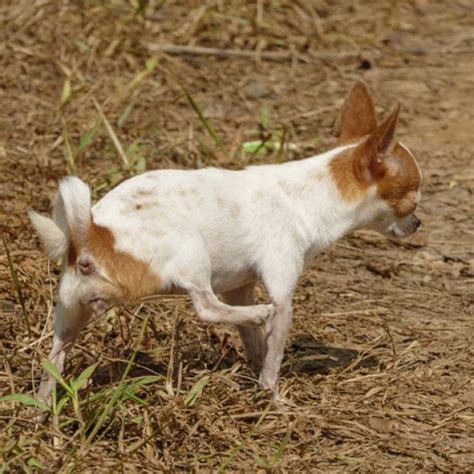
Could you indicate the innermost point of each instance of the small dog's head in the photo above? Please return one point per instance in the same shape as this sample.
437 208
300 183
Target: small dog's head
382 177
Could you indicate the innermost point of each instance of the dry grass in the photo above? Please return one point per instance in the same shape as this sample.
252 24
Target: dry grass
379 363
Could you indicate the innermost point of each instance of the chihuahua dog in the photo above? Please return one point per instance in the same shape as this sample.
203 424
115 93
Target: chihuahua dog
214 231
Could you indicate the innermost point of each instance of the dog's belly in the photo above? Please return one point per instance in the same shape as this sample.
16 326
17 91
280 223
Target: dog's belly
220 284
223 282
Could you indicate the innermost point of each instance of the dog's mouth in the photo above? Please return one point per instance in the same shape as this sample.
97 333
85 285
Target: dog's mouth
406 227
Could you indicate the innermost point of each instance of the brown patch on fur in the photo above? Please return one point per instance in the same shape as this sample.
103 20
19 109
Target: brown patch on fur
356 169
132 278
396 176
357 116
401 181
346 172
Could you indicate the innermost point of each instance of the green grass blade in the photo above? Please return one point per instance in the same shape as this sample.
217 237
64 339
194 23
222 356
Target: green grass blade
33 462
83 377
66 93
255 146
202 118
196 391
67 145
265 115
281 145
150 66
278 456
84 47
112 135
128 394
146 380
117 393
53 370
124 115
141 7
16 285
87 138
58 407
26 400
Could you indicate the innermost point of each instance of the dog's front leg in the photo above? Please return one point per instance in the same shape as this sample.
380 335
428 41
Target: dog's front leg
276 333
280 281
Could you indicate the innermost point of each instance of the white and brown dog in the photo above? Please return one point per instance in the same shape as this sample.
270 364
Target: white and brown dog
214 231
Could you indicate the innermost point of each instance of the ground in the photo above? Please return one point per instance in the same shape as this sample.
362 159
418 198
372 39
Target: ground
379 365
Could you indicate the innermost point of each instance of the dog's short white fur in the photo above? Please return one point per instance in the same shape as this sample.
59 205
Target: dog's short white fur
214 231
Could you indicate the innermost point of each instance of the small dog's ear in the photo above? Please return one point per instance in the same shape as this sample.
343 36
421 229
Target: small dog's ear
386 131
357 116
370 152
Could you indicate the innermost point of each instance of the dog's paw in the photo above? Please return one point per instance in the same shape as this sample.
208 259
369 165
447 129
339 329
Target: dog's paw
267 313
282 401
260 315
272 393
272 310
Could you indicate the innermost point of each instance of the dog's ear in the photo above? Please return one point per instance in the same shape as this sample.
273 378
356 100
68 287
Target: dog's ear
385 132
357 116
370 152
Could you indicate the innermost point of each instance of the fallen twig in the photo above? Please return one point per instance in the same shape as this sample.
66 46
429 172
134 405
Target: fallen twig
241 53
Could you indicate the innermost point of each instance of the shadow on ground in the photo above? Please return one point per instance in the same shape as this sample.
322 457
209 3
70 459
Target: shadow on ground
308 356
305 355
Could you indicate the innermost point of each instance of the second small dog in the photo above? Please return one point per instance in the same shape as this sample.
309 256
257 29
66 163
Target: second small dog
214 231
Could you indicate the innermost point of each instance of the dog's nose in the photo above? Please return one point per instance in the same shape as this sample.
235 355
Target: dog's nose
417 222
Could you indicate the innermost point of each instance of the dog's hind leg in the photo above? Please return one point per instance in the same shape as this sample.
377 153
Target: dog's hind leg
252 338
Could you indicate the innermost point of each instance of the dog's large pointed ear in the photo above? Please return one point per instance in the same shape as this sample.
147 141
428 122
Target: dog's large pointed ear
382 137
357 116
370 152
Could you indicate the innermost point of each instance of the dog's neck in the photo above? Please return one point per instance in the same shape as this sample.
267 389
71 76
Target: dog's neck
323 215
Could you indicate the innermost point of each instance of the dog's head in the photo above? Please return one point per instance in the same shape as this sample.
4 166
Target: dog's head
382 176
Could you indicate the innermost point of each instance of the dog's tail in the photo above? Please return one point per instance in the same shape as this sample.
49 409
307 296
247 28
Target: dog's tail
71 218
